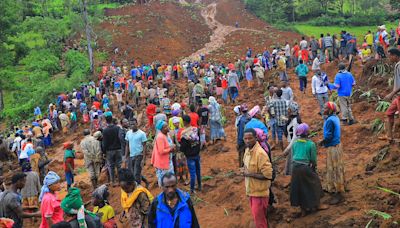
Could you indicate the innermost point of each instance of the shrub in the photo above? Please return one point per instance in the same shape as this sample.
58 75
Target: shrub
42 60
76 61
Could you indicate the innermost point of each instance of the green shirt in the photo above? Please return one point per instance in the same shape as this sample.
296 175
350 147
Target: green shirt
69 154
305 151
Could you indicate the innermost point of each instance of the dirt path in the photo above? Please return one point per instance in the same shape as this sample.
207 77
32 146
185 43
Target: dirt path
220 32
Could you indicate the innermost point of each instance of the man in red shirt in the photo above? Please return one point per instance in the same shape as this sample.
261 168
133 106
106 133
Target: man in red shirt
194 117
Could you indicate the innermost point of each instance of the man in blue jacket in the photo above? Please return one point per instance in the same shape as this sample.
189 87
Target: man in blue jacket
172 208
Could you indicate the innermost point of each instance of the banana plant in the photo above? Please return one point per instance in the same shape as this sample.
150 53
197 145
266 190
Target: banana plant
377 126
369 95
382 106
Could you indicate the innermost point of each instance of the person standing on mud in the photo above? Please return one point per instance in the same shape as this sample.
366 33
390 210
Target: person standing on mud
335 182
243 120
344 83
257 171
92 155
112 148
135 151
394 55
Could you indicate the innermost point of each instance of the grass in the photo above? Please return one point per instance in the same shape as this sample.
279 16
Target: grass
358 31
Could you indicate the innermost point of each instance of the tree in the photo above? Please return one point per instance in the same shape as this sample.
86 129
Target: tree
88 30
395 4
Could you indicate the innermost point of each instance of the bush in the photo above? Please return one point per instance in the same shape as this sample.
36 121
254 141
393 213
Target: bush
42 60
359 19
326 20
76 61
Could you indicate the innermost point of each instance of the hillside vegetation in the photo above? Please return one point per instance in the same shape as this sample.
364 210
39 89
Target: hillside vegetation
34 56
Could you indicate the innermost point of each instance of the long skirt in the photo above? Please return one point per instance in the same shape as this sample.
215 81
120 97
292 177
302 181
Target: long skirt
161 172
305 187
30 203
288 167
216 129
335 181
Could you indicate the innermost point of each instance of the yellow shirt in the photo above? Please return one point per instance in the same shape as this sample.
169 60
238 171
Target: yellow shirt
172 126
369 39
256 160
366 52
105 213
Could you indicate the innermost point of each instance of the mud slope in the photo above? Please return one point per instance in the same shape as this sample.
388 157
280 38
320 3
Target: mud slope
157 31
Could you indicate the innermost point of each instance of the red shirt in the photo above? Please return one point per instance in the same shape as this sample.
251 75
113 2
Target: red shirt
151 110
224 83
194 119
96 104
296 50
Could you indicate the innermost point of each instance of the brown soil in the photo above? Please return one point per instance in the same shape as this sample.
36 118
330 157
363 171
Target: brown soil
223 202
157 31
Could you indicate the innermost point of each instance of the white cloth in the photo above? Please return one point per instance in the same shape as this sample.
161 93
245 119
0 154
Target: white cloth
316 64
316 85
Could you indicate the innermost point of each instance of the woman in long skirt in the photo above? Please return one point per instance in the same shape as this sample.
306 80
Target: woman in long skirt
216 128
294 121
305 187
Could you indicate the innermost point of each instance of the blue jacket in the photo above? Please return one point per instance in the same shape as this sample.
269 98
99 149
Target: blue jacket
332 131
184 216
244 119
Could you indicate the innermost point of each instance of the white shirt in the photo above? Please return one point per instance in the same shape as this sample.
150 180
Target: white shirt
287 50
287 93
303 44
316 85
315 65
24 153
17 144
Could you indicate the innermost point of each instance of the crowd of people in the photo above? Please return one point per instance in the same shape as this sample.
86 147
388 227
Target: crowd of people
135 111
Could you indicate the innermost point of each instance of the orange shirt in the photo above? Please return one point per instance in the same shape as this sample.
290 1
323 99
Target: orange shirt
194 119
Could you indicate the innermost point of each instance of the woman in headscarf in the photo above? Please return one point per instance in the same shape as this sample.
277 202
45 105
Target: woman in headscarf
255 121
162 149
31 190
335 182
305 188
102 208
50 203
216 128
294 121
175 115
76 214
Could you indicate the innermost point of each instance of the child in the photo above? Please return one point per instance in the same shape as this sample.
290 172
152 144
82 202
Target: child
69 156
101 207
